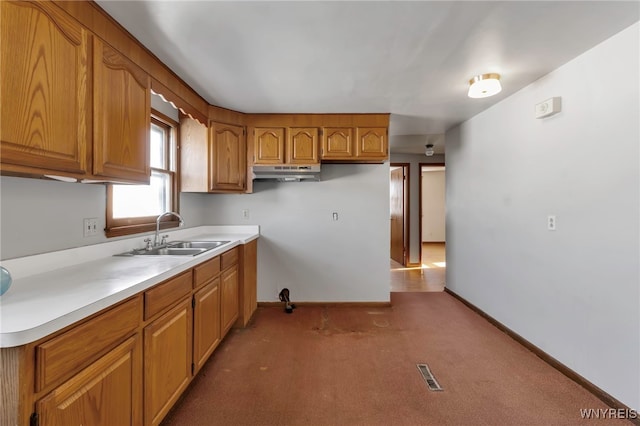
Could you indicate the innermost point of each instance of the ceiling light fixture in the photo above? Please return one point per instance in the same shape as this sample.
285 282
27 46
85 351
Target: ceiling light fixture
485 85
429 150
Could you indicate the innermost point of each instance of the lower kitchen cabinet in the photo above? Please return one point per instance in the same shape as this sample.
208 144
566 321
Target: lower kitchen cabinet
129 364
206 322
107 393
167 361
229 298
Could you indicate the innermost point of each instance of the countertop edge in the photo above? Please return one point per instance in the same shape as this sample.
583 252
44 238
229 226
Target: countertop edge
29 335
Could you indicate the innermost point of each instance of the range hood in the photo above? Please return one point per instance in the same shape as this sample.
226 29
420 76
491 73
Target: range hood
287 173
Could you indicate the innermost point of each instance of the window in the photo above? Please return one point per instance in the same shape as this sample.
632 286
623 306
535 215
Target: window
134 208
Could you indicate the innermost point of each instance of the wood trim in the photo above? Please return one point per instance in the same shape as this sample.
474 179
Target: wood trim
118 231
177 101
595 390
99 22
328 304
317 120
226 116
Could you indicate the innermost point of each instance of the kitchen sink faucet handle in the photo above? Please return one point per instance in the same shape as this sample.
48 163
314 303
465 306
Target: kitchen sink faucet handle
148 245
164 240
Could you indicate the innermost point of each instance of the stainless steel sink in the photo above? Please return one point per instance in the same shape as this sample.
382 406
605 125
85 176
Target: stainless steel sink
177 248
197 244
171 251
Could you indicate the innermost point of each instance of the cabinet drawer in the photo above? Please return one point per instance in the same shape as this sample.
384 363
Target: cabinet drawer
164 295
76 348
229 258
206 271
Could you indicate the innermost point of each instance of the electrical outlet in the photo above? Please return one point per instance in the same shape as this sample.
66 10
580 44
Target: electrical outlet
245 214
551 223
90 226
335 216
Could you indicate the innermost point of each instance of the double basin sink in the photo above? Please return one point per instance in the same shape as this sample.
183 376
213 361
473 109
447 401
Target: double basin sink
177 248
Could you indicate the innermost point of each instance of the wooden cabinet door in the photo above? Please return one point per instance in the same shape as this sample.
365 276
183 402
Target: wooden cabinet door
206 322
337 143
268 145
45 116
167 361
302 145
122 117
371 142
107 393
194 156
248 293
229 298
228 164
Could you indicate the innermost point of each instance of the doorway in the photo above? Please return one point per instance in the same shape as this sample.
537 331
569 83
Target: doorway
399 214
432 223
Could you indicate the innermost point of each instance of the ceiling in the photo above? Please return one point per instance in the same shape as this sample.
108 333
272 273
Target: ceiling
412 59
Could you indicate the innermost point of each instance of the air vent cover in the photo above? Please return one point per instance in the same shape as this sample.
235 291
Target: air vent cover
431 381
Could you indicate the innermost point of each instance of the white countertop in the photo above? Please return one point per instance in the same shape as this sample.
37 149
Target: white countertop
54 290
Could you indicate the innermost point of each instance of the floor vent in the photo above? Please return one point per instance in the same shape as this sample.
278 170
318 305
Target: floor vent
427 375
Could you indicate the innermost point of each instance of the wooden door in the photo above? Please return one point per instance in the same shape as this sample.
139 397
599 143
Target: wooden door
302 145
167 361
268 145
122 117
206 322
229 298
371 142
337 143
107 393
397 215
45 119
228 165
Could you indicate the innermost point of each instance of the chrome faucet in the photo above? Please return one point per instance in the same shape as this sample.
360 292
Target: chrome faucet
155 240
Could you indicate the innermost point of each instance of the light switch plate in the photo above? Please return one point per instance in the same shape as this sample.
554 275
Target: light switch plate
90 226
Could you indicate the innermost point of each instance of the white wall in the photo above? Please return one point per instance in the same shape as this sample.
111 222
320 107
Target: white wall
414 161
573 292
433 206
303 249
38 216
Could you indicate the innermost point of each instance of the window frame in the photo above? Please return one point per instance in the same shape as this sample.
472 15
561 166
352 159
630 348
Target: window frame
135 225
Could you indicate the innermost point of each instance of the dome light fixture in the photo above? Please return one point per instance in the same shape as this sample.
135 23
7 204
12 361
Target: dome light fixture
485 85
429 150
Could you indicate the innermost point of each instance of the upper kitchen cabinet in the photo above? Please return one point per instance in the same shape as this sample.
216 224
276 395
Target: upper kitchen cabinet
302 145
122 117
45 119
337 143
313 138
285 145
268 145
72 105
212 159
228 153
371 143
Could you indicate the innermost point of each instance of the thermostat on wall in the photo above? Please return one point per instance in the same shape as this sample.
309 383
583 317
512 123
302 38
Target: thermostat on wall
549 107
